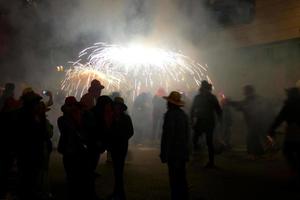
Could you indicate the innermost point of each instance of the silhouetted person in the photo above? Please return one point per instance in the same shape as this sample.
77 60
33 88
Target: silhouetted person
44 182
89 99
31 133
226 123
7 95
204 108
46 93
140 111
122 131
50 100
115 94
253 108
187 103
174 145
103 116
8 105
290 113
159 108
73 146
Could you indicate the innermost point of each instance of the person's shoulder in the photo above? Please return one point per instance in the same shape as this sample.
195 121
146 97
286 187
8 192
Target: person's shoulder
85 97
199 95
183 114
211 95
179 116
168 113
178 112
61 118
21 112
89 113
126 116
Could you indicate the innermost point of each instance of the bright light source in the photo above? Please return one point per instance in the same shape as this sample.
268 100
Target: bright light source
133 67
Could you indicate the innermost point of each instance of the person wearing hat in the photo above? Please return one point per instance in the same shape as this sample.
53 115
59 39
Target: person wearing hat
158 111
73 145
204 108
29 90
7 100
44 181
8 108
257 114
30 137
174 145
122 131
103 116
89 99
290 113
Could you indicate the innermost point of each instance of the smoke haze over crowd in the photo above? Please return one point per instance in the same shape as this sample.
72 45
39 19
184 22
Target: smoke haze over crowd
40 35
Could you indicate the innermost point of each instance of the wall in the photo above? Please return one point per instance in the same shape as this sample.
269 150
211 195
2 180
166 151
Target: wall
275 20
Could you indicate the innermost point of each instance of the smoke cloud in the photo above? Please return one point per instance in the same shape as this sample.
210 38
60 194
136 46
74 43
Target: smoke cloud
46 34
49 33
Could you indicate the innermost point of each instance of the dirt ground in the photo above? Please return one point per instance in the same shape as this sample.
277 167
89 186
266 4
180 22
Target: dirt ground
235 177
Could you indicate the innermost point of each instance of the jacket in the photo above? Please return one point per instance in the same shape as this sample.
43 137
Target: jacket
175 136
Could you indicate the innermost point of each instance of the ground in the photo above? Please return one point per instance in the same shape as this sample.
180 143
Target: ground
235 178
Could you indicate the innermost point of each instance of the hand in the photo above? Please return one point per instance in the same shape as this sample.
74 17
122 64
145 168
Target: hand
193 121
270 140
163 158
229 100
49 94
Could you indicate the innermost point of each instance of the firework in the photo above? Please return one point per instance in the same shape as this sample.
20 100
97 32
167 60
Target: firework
133 68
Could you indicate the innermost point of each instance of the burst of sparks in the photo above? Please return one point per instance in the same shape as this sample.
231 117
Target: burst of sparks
133 68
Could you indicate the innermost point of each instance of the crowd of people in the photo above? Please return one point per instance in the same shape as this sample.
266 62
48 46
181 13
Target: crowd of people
87 129
99 123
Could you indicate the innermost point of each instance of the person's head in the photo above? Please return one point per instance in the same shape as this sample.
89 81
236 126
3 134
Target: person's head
27 90
115 94
205 86
249 91
161 92
293 94
104 105
174 100
9 86
41 109
9 89
119 106
96 88
31 99
71 106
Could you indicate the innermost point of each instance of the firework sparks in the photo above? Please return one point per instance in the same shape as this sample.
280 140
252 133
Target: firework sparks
132 68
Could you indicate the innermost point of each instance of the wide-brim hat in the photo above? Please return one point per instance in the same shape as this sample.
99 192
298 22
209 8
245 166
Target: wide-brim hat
31 98
120 101
175 98
96 84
